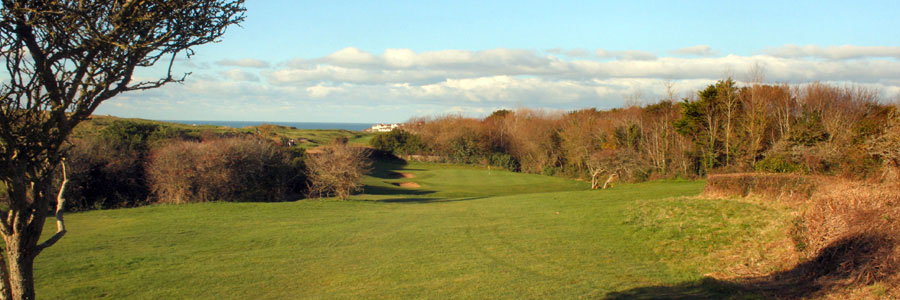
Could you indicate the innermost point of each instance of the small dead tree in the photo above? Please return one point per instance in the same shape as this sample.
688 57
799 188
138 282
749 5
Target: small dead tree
595 172
336 170
64 58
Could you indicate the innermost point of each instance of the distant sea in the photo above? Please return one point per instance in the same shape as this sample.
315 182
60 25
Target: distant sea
298 125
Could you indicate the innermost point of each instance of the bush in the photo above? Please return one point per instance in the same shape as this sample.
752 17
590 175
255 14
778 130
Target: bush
505 161
136 136
230 169
398 142
336 170
104 174
778 163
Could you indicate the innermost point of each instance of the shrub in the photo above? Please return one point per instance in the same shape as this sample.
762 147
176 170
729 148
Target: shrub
777 163
230 169
105 174
505 161
336 170
136 136
398 141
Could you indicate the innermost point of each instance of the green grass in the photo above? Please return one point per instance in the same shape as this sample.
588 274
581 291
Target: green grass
468 232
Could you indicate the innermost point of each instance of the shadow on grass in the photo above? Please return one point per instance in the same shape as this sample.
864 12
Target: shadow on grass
706 288
859 259
383 190
428 200
389 169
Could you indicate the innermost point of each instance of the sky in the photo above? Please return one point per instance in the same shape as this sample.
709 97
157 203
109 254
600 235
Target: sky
388 61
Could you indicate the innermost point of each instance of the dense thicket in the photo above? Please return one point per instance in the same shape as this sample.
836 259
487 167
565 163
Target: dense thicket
106 170
227 169
813 128
131 163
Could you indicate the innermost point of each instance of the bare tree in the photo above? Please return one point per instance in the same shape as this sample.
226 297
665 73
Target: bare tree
336 170
64 58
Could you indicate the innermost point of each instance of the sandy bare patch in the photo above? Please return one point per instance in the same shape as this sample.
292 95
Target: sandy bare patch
407 175
406 184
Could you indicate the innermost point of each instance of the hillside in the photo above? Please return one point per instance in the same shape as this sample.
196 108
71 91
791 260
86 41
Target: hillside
310 137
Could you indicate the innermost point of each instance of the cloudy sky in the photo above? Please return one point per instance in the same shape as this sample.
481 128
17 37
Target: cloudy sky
387 61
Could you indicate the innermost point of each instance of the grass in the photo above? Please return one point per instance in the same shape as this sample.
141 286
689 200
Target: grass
468 232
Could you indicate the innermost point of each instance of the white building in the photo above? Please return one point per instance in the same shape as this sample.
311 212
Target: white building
383 127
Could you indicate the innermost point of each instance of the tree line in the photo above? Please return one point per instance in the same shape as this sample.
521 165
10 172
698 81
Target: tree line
812 128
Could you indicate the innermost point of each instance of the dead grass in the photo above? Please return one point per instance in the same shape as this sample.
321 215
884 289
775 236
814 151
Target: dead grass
845 234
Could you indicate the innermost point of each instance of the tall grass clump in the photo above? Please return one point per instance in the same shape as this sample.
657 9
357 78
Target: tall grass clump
227 169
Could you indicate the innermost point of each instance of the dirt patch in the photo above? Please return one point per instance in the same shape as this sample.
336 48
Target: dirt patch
407 175
406 184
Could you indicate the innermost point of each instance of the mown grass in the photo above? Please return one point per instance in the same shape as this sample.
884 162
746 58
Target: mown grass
466 233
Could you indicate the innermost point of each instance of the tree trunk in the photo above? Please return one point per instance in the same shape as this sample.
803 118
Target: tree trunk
20 260
5 293
21 231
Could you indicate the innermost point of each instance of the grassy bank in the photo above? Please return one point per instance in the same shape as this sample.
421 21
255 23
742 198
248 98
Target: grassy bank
465 232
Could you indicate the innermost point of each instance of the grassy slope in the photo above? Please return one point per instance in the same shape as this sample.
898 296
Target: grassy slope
450 238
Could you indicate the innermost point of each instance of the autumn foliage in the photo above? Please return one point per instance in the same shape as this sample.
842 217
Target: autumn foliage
806 129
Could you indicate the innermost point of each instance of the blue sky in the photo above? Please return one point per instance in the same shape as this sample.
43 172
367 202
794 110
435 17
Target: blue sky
387 61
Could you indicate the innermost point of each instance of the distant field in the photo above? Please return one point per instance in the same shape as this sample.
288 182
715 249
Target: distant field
465 232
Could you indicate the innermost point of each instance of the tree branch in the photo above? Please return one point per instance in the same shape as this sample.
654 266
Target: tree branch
60 205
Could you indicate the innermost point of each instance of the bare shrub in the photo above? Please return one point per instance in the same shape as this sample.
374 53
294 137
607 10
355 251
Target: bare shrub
230 169
336 170
886 147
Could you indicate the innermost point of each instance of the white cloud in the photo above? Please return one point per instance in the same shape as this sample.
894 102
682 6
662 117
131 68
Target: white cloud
833 52
579 52
246 63
322 91
239 75
500 68
403 83
698 50
626 55
350 56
